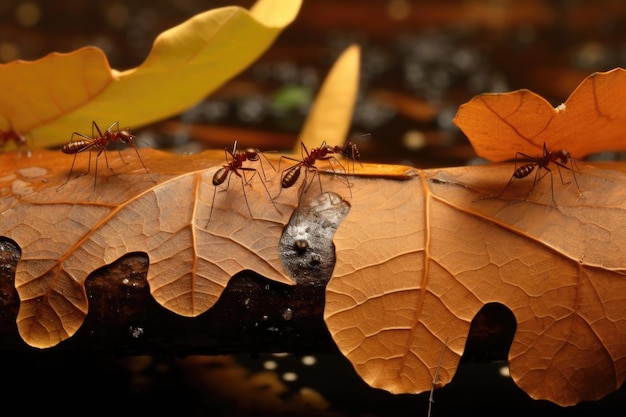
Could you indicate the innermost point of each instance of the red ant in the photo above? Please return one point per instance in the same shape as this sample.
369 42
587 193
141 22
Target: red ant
324 152
350 151
237 158
100 141
560 158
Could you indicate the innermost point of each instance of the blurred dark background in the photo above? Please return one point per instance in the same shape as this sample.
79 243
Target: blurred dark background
420 61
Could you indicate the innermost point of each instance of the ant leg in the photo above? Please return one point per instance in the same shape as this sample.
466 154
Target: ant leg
558 167
345 177
232 154
332 160
95 177
522 171
519 156
243 186
88 163
263 171
289 158
110 128
573 171
580 193
505 187
215 188
212 204
93 133
263 168
69 175
119 151
248 182
305 186
245 196
316 173
551 183
539 177
89 143
134 145
108 133
106 160
302 191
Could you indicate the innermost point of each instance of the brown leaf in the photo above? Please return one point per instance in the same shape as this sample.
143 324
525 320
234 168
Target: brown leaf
593 119
67 231
417 259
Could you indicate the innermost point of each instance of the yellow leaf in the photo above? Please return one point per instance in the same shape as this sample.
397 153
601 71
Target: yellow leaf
63 93
331 114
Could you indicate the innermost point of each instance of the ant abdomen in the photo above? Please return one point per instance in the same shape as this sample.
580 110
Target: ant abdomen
75 147
291 176
524 171
220 175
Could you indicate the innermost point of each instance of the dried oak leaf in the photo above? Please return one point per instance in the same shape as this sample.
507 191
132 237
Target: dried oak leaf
67 230
417 259
63 92
593 119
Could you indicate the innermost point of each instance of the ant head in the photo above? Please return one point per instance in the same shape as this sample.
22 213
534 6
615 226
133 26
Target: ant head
563 155
351 152
125 136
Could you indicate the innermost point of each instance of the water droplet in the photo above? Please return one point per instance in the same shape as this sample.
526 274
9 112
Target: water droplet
32 172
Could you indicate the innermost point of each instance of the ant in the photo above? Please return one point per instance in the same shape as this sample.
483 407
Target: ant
560 158
100 141
237 158
350 151
325 152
